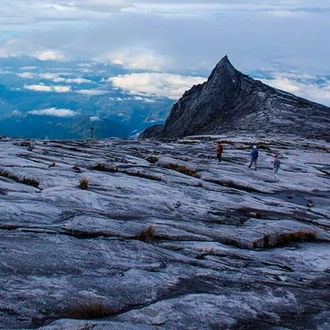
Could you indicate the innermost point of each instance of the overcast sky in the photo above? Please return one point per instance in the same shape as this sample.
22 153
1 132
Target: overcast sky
178 43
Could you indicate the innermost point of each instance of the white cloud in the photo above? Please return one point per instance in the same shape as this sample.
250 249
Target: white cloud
61 89
91 92
94 118
50 55
187 37
53 112
45 88
47 76
117 99
54 77
74 80
316 89
156 84
135 58
29 68
15 47
222 7
32 12
16 113
26 75
39 49
38 88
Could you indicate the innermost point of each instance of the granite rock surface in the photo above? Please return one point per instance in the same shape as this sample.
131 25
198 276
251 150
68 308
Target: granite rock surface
143 234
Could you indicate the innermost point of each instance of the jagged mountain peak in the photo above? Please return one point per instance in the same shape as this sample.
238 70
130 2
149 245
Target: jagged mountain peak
225 64
231 101
223 73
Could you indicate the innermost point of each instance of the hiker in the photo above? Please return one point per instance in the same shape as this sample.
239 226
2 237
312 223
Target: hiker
276 165
254 157
219 150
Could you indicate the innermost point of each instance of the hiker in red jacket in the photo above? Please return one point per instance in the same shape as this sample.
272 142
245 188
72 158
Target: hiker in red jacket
219 150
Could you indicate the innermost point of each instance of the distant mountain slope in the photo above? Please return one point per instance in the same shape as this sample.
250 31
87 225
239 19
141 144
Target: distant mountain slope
136 114
40 127
231 101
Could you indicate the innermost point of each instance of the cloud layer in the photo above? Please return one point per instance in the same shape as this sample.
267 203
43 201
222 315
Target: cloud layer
45 88
155 84
53 112
159 41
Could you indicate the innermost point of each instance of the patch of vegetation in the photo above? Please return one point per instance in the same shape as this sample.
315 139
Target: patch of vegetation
76 168
152 159
258 215
264 147
9 175
23 144
143 175
205 252
83 183
283 239
188 141
182 169
232 184
30 181
147 234
100 166
325 172
25 180
299 236
89 310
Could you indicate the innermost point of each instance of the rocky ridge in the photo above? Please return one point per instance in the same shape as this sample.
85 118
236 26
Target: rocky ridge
138 234
230 101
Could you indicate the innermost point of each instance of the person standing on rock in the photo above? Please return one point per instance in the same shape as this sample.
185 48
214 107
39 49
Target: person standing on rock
219 150
254 154
276 165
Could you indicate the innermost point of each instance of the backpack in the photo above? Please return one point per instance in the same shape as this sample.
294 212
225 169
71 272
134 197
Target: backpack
277 163
254 153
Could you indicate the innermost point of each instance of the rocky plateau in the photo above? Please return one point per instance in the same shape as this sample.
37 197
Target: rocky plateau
143 234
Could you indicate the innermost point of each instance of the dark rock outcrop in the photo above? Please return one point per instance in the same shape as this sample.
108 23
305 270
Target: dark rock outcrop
231 101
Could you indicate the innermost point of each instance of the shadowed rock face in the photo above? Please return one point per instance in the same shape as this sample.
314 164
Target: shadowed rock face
231 101
163 236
